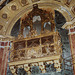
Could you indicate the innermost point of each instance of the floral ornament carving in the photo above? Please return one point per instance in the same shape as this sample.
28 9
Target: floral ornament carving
4 16
13 7
13 69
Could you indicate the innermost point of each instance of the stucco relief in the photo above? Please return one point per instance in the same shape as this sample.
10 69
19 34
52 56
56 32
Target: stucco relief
13 7
4 15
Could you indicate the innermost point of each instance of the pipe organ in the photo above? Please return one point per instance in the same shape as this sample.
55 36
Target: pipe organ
36 50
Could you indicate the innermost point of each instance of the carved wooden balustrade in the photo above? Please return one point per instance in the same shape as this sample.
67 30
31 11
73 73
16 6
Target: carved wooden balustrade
39 46
44 48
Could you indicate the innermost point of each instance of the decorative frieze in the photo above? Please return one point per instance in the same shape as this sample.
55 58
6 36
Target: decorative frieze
57 65
20 66
42 66
27 69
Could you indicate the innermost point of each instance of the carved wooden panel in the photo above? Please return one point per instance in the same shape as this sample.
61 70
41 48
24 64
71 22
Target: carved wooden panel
33 43
47 40
19 45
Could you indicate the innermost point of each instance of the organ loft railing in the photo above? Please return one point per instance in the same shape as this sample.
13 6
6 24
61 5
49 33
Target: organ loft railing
36 49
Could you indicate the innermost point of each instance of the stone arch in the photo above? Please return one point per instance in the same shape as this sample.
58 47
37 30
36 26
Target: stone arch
11 16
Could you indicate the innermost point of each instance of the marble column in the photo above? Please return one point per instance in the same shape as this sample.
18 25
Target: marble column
4 52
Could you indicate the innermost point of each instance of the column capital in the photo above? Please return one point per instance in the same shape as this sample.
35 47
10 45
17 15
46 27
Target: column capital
6 38
70 26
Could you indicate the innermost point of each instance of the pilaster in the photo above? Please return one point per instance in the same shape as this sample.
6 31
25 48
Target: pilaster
71 32
4 53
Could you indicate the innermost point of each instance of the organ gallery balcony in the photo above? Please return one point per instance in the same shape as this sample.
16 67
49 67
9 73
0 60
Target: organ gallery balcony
44 48
39 46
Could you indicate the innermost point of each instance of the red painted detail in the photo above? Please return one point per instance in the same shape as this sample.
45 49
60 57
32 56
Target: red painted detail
72 30
2 43
4 52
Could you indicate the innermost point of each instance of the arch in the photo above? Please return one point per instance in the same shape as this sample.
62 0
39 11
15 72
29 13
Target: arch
9 22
